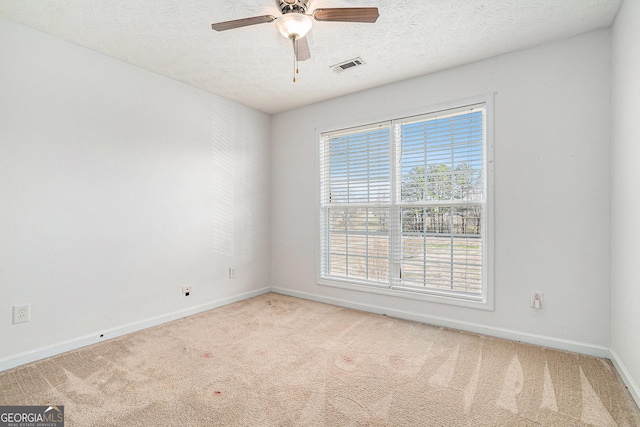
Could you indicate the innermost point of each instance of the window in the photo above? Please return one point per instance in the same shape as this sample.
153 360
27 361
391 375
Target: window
404 209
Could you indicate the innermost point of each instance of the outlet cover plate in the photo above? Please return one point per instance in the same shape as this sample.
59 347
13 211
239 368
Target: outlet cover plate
21 313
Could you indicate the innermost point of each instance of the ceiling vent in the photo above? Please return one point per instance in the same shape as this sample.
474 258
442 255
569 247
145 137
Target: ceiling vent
355 62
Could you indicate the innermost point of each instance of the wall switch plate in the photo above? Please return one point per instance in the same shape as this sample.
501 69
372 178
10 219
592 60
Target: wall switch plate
537 299
186 290
232 273
21 313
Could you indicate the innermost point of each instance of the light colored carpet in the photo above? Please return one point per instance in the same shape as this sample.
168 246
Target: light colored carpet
274 360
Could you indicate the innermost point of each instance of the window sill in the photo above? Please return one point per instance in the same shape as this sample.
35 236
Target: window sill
430 296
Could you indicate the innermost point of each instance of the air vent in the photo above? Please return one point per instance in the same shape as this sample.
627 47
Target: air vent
355 62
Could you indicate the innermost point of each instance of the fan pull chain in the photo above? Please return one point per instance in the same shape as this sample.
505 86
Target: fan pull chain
294 39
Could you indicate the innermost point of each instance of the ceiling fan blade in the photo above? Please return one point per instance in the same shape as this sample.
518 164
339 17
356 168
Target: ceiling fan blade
237 23
347 14
302 51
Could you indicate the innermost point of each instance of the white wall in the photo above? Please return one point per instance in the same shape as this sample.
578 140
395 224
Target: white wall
117 186
552 182
625 195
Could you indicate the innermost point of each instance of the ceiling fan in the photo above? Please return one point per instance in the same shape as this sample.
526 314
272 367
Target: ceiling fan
295 23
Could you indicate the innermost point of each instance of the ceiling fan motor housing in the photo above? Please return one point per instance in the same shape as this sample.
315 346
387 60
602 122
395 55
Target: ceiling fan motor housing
295 6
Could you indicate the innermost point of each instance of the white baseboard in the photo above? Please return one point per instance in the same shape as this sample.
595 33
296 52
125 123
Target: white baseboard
560 344
43 352
626 376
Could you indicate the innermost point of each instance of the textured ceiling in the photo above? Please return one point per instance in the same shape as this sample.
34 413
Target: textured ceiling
254 65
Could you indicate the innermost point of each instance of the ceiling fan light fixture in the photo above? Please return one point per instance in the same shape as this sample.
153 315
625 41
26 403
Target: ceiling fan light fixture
294 25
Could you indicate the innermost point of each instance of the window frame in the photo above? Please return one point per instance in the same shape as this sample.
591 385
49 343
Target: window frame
483 301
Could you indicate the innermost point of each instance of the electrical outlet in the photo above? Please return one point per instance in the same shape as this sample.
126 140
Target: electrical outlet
536 299
232 273
186 290
21 313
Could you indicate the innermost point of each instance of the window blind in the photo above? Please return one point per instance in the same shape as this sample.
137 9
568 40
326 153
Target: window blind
356 195
442 201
